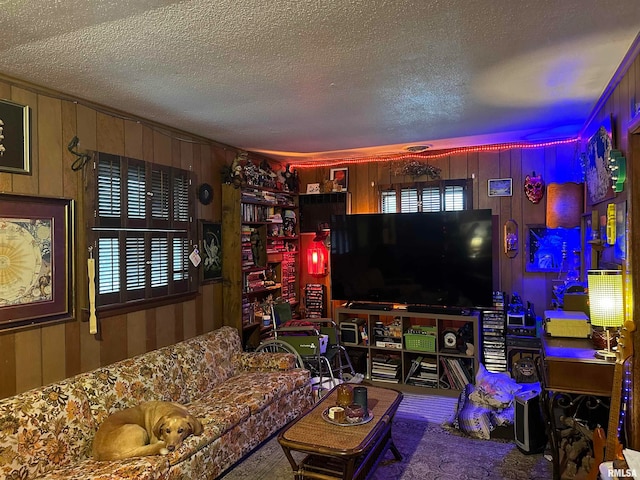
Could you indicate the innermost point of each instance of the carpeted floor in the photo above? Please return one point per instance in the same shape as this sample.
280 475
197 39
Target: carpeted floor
429 452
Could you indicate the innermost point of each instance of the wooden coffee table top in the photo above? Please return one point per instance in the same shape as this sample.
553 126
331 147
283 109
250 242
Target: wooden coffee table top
311 433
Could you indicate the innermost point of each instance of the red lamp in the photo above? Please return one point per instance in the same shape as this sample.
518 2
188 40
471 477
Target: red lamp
318 255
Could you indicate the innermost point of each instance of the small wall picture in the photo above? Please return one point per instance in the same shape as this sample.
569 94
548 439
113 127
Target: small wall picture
313 188
15 156
500 187
211 251
340 177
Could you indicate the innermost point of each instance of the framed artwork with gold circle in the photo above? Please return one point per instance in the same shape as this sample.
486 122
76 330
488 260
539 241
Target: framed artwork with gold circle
36 275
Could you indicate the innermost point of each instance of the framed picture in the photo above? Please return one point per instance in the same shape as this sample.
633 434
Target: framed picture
15 155
313 188
596 168
552 249
211 251
36 281
340 177
500 187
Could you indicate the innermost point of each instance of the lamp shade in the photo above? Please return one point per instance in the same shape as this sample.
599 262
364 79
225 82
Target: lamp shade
317 259
606 304
564 205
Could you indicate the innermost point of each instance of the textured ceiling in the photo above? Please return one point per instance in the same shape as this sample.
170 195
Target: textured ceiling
329 79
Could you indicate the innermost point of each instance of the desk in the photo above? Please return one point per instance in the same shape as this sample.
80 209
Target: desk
572 378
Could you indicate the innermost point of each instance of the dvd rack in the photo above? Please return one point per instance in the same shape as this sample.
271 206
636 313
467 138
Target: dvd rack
314 300
494 348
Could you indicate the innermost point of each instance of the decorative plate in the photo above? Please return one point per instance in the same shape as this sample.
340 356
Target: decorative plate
205 194
366 419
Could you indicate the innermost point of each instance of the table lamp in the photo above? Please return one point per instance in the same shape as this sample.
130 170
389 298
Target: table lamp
606 304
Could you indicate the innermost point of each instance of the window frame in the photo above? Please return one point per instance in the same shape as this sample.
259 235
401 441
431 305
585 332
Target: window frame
159 227
419 188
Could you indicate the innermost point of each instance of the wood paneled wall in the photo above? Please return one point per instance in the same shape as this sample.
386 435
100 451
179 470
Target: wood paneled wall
555 163
36 356
618 103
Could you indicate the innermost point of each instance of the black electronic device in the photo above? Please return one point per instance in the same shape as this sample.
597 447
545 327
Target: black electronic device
371 306
351 331
431 259
528 424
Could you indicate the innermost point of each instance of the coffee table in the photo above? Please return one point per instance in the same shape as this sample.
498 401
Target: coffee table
341 451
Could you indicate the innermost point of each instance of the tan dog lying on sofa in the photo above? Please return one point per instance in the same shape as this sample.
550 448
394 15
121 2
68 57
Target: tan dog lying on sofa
150 428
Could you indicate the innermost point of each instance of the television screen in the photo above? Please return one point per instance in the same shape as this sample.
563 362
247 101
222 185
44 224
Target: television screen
433 259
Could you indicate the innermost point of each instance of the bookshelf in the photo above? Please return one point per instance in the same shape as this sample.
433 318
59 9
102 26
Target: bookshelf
260 255
410 348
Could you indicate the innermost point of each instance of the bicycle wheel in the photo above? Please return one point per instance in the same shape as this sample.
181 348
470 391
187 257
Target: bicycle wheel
278 346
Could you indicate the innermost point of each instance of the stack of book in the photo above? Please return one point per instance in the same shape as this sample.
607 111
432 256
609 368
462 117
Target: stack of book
253 213
254 280
385 368
455 372
288 280
247 254
423 372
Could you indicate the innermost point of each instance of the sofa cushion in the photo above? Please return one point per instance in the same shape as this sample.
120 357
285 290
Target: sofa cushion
140 468
217 418
207 360
44 429
154 375
263 361
261 388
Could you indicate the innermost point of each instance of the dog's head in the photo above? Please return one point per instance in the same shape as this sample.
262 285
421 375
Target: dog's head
173 429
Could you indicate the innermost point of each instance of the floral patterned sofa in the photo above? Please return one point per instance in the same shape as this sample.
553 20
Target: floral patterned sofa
240 397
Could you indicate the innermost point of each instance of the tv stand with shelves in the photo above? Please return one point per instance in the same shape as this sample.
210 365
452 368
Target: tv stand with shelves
408 348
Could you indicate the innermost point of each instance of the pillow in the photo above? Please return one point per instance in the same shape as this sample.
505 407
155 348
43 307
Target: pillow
494 390
500 418
471 418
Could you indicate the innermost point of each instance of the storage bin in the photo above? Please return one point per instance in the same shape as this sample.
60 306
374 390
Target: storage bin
420 342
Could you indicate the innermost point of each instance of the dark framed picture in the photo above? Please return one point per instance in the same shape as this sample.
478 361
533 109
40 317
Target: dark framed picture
340 178
36 272
211 251
553 249
500 187
15 154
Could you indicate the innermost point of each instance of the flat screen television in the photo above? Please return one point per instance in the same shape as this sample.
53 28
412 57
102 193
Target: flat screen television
441 259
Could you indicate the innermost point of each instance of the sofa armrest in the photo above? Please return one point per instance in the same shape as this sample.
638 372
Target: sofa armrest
264 361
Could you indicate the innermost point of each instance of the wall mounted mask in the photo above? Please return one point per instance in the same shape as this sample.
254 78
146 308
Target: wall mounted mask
534 187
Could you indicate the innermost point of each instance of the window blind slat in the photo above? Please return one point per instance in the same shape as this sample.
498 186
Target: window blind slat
136 278
160 194
108 265
108 184
159 262
136 192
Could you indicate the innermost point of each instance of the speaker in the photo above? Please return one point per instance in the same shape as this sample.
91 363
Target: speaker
529 426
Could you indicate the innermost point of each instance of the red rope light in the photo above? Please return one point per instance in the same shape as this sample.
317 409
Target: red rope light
428 156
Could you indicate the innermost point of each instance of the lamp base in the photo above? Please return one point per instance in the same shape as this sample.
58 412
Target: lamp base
606 355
